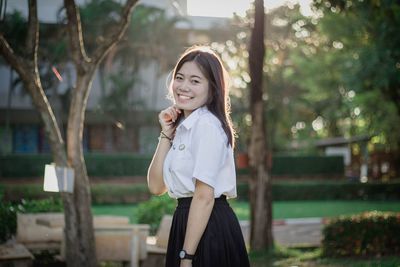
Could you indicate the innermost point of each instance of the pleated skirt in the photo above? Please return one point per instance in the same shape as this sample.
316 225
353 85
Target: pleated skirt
222 243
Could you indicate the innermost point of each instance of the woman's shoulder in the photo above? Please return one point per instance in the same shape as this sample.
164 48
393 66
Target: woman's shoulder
207 121
206 117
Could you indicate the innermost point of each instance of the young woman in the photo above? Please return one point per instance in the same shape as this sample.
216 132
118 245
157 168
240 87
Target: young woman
194 162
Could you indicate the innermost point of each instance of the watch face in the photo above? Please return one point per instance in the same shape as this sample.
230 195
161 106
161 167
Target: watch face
182 254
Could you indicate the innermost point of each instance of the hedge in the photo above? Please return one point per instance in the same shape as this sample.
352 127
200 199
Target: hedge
101 193
329 190
102 165
304 166
367 234
114 165
307 165
119 193
285 191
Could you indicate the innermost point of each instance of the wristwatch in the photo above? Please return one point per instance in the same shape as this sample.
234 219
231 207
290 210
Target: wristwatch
183 255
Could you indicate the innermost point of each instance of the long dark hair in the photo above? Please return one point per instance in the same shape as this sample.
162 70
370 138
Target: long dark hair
218 101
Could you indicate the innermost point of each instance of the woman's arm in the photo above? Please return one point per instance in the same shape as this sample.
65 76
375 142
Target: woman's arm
155 179
199 214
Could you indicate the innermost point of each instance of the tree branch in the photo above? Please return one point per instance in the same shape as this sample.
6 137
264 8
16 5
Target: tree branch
32 40
32 83
14 60
115 36
24 66
74 26
27 69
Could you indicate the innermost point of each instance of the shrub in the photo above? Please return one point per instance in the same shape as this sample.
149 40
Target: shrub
8 213
366 234
152 211
1 192
8 219
42 205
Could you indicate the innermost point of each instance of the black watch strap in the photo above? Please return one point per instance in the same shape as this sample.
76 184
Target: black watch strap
184 255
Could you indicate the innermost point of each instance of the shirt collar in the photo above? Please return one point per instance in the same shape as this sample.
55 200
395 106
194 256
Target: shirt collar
193 117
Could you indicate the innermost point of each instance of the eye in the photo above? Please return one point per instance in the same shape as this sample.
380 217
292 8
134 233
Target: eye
178 77
195 81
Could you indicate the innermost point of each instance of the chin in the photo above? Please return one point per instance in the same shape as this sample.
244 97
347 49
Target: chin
183 105
180 106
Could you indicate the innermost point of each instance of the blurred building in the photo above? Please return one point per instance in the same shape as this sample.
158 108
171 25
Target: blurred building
21 130
360 164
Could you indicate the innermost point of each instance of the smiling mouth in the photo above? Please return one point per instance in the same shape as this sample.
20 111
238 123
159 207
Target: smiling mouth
185 97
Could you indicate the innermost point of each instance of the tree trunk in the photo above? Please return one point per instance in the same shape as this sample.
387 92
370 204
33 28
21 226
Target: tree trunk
81 214
260 184
79 234
79 224
6 140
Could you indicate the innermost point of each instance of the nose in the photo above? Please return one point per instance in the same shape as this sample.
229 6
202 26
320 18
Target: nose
183 87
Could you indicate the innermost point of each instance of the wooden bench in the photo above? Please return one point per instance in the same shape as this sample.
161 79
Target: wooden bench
15 255
44 231
38 237
245 227
157 245
120 243
116 239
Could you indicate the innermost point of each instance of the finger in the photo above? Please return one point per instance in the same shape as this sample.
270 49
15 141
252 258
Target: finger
177 110
174 114
167 116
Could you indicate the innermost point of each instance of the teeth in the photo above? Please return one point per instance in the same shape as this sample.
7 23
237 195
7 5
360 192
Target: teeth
184 97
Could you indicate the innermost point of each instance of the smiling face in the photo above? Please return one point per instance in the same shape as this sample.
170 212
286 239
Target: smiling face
190 88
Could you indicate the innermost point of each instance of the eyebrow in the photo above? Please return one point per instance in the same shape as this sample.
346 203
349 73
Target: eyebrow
192 76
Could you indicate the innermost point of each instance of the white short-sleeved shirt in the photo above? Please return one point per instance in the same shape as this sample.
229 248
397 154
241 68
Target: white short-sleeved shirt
200 151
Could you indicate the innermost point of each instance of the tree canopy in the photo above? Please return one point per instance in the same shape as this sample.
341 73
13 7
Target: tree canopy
334 74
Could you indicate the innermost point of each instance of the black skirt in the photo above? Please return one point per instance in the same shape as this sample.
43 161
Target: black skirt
222 243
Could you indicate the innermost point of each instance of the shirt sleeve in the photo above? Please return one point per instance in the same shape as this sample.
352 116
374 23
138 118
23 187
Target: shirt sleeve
209 152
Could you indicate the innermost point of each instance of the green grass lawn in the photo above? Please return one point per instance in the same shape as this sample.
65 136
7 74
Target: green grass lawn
284 257
306 209
281 209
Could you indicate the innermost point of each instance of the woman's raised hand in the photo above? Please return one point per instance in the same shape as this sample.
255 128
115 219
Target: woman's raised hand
167 118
